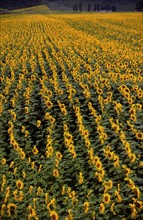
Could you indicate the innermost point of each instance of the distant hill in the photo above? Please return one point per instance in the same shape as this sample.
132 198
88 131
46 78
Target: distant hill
15 4
68 5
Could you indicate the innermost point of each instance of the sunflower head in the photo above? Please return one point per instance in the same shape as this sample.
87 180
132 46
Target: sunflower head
54 215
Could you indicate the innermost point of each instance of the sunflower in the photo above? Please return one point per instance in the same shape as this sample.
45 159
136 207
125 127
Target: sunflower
140 95
49 92
52 120
47 154
132 111
99 165
106 198
86 207
60 92
47 116
22 155
26 133
137 192
138 70
38 123
23 129
139 135
110 155
18 195
132 157
3 209
49 104
64 111
55 173
39 190
133 118
54 215
139 106
112 208
58 155
11 164
26 110
80 178
115 128
65 127
130 101
50 150
102 208
89 105
11 209
133 211
86 133
10 131
35 150
19 184
3 161
118 197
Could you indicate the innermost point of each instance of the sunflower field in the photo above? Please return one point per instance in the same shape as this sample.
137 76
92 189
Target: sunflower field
71 116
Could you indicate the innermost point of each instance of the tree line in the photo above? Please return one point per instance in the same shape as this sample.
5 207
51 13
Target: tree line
94 7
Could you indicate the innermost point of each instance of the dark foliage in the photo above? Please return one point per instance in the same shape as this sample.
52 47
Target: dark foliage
139 6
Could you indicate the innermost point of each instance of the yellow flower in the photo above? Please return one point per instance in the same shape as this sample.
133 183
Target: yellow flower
106 198
115 127
26 110
3 209
58 155
7 194
49 92
51 203
32 211
38 123
86 207
99 176
137 191
47 154
3 161
22 155
19 184
87 142
35 150
23 174
139 106
11 209
112 208
133 117
49 104
54 215
46 197
47 116
86 133
26 133
133 211
99 165
107 185
32 164
39 191
18 195
65 127
80 178
141 164
132 157
102 208
63 189
23 129
118 197
55 173
31 189
139 135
